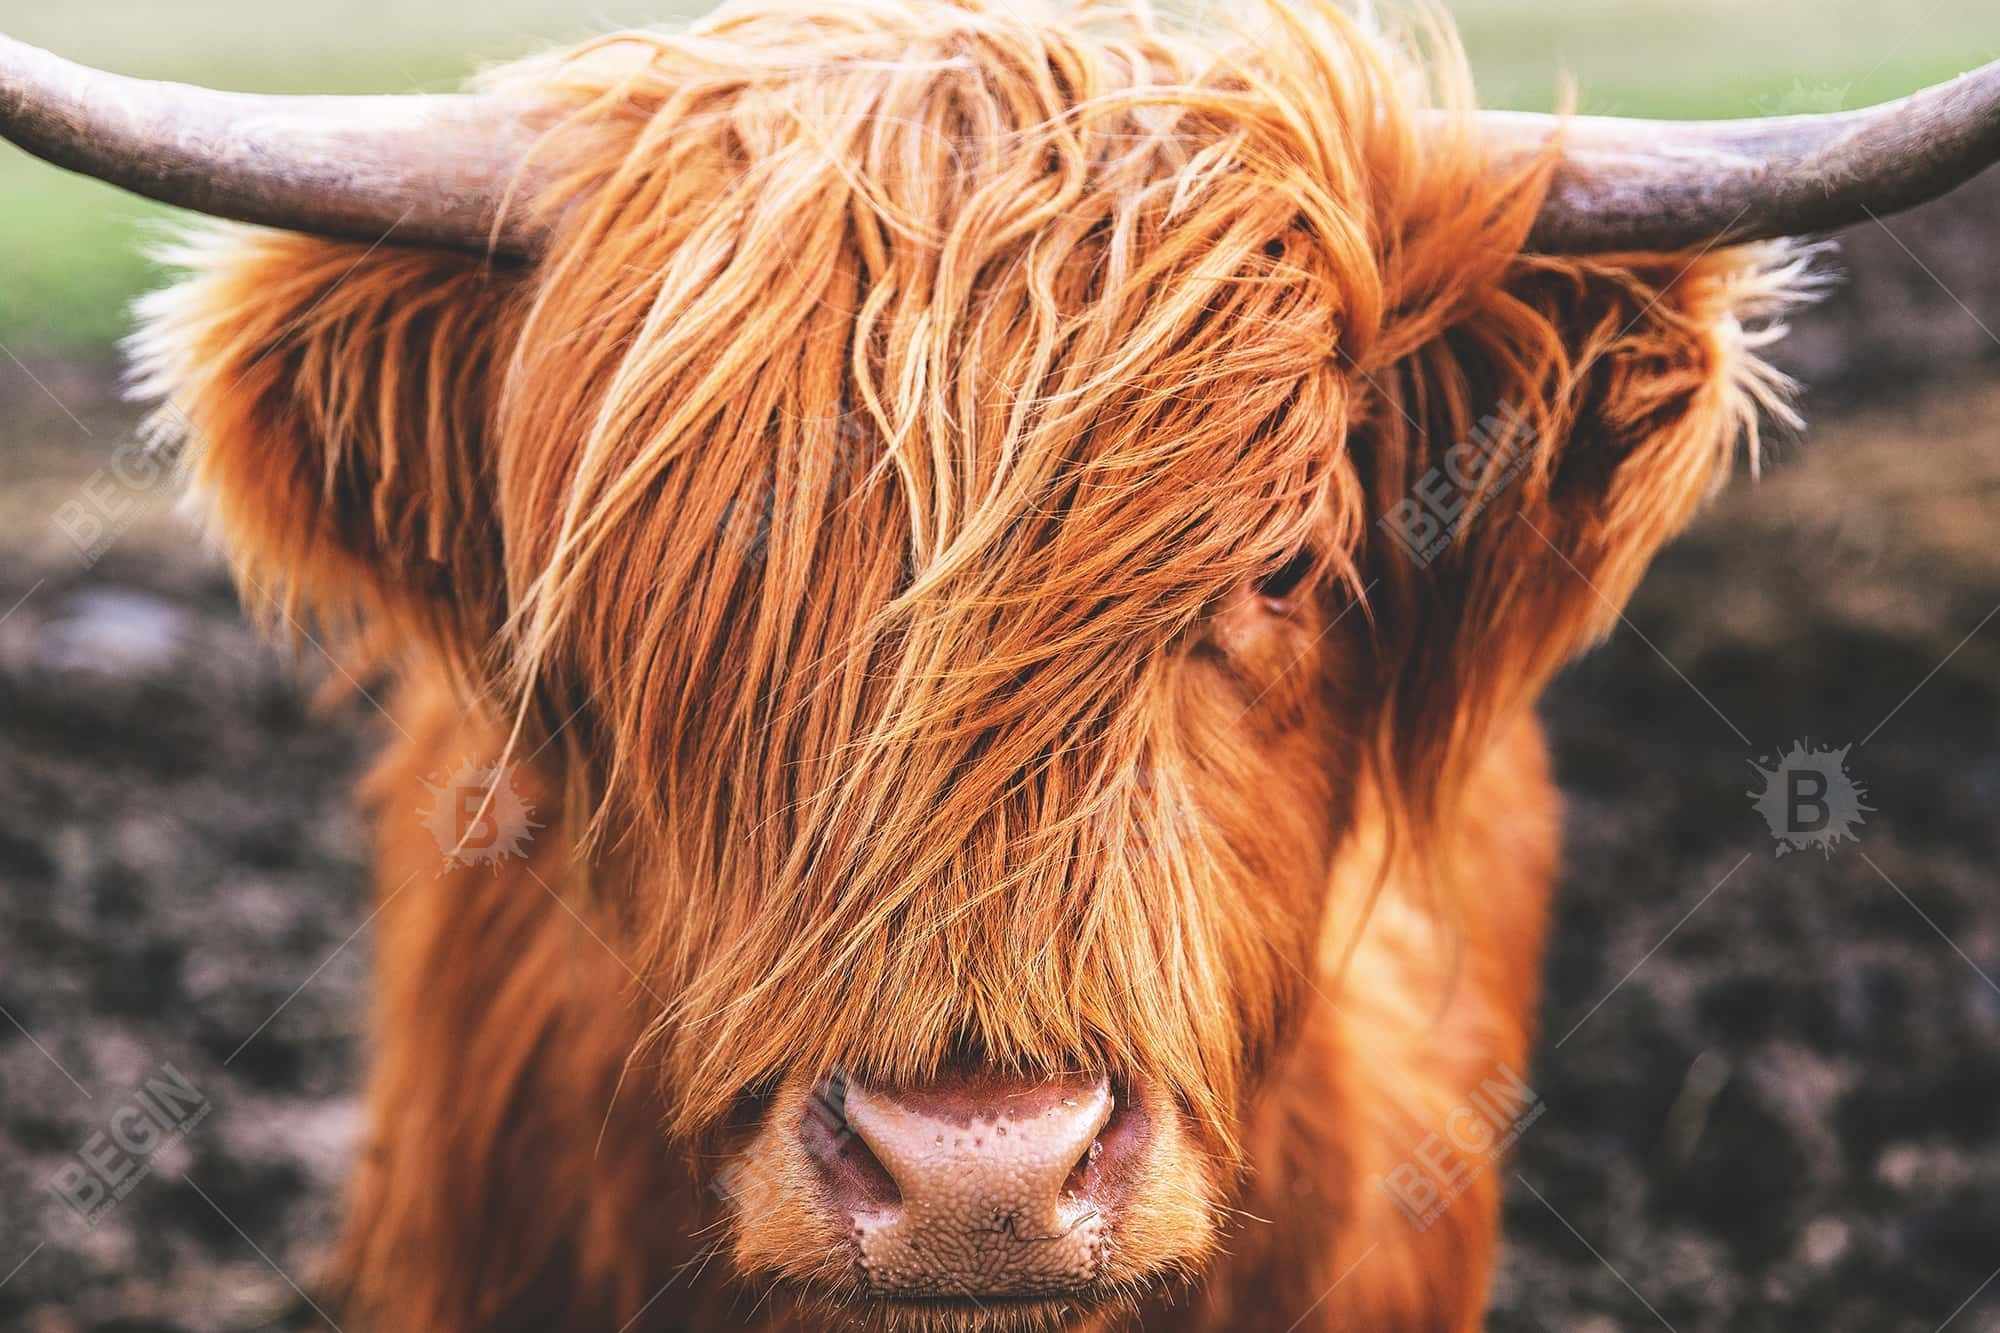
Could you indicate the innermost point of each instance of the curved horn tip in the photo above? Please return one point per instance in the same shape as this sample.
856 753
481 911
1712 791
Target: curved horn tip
1667 185
431 170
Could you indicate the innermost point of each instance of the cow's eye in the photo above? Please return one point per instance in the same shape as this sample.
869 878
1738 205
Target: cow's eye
1283 581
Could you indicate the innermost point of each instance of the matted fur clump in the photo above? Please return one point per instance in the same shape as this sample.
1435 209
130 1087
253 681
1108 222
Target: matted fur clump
842 512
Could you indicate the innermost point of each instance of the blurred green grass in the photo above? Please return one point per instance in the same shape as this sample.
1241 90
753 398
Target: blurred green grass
72 251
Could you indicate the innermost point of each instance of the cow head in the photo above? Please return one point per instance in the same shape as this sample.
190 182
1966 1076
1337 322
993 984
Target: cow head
998 526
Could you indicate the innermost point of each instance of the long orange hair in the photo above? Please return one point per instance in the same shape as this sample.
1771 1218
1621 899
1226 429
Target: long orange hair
832 510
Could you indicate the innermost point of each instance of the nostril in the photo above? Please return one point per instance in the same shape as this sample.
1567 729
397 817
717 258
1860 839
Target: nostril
1079 1180
1102 1174
854 1176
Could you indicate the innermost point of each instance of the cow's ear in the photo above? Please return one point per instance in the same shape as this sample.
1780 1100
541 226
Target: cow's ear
1528 461
336 403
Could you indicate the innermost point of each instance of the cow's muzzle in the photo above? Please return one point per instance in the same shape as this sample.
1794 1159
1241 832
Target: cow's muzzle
977 1186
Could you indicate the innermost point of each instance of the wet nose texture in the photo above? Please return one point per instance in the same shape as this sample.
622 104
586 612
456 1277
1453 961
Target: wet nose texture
977 1186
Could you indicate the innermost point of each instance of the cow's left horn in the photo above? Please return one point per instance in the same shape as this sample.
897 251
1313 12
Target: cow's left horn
1662 185
419 170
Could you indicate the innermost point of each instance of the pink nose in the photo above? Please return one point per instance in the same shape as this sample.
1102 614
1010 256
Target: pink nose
975 1185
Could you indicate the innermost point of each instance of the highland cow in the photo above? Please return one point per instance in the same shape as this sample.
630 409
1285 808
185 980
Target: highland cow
1012 557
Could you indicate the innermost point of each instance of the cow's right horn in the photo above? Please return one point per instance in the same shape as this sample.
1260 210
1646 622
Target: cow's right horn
428 170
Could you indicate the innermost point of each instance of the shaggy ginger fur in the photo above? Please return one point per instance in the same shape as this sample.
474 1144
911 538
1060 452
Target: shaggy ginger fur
850 530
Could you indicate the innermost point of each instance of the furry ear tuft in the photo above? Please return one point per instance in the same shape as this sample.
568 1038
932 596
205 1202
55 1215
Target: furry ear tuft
1530 461
337 401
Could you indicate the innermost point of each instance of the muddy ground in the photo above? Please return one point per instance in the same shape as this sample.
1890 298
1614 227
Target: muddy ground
1771 1104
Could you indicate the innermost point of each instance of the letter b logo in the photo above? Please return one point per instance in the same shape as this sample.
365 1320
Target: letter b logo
1805 791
